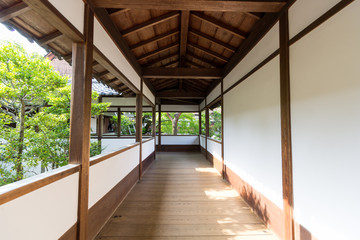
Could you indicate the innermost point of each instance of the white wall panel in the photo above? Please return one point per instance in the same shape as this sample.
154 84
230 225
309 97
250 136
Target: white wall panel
105 44
46 213
106 174
216 92
180 140
120 101
202 141
148 93
72 10
202 105
147 149
325 96
179 108
252 137
111 145
214 148
304 12
260 52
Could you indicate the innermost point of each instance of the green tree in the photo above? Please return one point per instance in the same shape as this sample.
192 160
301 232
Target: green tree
25 81
215 123
179 123
35 113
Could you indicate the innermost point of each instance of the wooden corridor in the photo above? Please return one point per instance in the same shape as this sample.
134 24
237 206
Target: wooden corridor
182 197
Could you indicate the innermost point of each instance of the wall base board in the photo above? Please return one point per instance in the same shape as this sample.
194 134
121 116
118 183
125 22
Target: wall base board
178 148
70 234
147 162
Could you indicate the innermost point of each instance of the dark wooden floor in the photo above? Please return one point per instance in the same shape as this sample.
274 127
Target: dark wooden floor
182 197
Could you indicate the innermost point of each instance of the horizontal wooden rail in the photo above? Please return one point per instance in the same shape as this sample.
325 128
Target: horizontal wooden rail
20 188
100 158
148 140
214 140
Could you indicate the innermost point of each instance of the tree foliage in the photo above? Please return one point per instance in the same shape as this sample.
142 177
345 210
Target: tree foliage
179 123
35 113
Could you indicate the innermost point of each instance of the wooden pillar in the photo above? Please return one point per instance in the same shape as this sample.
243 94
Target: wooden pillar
119 122
222 130
206 127
80 118
199 124
139 102
154 128
159 141
287 172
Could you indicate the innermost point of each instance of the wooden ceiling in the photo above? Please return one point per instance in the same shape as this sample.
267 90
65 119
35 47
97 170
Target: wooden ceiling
182 48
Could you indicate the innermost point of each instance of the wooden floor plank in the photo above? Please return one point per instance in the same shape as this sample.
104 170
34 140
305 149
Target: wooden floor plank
182 197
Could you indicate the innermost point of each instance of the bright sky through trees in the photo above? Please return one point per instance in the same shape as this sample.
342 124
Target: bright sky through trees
14 36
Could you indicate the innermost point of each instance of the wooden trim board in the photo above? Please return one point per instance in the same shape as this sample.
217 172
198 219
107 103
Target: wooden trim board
178 148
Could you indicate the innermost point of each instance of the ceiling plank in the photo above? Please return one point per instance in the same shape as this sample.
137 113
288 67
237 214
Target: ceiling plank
149 64
183 73
114 33
13 11
213 40
157 51
194 5
209 52
119 12
149 23
185 18
170 63
194 64
180 94
155 39
217 23
49 38
203 60
101 74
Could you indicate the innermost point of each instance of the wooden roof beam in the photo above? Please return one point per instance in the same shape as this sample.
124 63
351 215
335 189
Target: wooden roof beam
13 11
217 23
203 60
181 94
157 51
183 73
49 38
170 63
185 18
193 64
149 64
195 5
213 40
119 12
149 23
209 52
155 39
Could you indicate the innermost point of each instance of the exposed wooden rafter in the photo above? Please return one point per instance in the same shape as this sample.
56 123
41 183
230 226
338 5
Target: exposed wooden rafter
170 63
49 38
217 23
185 17
181 94
211 63
149 64
155 39
13 11
209 52
212 39
149 23
184 73
157 51
194 64
119 12
194 5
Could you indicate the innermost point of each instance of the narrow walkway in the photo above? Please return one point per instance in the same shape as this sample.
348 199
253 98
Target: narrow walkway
182 197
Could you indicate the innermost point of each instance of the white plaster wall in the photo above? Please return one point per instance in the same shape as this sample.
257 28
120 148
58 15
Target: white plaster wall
111 145
325 96
106 174
252 137
148 93
179 140
216 92
202 141
46 213
202 105
106 45
93 125
72 10
120 101
179 108
214 148
147 149
304 12
268 45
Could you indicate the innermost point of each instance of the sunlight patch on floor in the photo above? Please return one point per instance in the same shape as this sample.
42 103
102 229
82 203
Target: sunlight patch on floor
221 195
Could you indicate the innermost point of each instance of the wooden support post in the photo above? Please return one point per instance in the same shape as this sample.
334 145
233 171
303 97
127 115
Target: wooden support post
99 127
80 119
154 128
159 141
119 122
223 172
287 178
199 123
139 102
206 127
